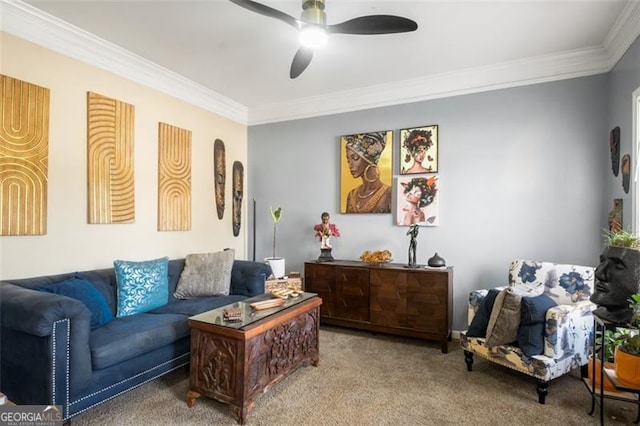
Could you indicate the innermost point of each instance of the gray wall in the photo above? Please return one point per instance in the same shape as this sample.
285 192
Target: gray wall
624 79
521 173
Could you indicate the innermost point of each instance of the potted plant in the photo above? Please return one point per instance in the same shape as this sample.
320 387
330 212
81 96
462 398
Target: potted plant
612 338
627 356
276 263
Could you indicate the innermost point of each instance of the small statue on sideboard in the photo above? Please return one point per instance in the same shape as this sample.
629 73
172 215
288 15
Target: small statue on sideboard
324 231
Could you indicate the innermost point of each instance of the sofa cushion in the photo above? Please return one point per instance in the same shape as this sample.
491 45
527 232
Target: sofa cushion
247 278
480 321
142 286
85 292
105 281
175 270
192 307
133 335
205 274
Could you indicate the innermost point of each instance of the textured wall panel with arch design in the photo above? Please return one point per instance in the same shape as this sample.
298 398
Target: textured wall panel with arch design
24 157
109 160
174 178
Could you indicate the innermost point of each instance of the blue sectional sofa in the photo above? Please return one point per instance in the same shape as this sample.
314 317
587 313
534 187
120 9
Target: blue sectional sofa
50 355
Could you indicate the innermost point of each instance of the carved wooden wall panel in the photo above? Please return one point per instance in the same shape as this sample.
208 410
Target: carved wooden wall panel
24 157
110 160
174 178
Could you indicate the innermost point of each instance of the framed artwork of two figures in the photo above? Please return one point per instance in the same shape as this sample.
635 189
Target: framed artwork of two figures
366 175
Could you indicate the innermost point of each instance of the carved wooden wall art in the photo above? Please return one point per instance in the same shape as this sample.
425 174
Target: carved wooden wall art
109 160
24 157
174 178
220 175
237 191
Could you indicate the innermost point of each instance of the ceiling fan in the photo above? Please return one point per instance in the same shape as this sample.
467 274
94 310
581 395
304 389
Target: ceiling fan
314 30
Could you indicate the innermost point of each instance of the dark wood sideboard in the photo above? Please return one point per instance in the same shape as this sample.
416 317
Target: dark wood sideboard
389 298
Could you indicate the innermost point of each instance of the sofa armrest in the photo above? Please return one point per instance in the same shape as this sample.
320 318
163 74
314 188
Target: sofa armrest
34 312
29 319
248 277
563 321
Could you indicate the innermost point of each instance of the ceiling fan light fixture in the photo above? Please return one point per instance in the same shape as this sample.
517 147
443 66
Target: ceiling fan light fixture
313 37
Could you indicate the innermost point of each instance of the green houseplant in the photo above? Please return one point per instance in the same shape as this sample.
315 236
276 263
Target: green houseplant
277 263
627 356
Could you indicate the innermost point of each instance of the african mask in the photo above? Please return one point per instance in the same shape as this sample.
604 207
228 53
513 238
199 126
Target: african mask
219 175
237 191
614 147
626 172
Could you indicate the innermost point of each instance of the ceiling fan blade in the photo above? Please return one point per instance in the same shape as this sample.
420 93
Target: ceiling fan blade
301 61
374 24
267 11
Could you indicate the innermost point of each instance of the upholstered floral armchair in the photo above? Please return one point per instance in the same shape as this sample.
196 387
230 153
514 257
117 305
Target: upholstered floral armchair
540 324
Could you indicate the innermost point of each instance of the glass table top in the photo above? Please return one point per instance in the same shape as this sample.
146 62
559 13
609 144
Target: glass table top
249 315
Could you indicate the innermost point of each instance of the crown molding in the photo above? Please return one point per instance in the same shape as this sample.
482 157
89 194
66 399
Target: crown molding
623 33
22 20
571 64
472 80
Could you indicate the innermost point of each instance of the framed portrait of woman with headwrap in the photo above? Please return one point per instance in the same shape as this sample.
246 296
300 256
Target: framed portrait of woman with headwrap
366 172
419 150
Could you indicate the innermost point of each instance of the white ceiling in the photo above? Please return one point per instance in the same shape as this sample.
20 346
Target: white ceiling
240 60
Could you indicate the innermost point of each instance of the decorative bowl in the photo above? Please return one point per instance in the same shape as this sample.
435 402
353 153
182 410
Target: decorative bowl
377 257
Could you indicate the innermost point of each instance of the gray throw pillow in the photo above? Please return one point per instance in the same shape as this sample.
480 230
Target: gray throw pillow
205 274
505 315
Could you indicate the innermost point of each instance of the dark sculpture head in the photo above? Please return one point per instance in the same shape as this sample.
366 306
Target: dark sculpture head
617 278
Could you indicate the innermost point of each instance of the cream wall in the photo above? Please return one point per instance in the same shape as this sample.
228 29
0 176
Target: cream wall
71 244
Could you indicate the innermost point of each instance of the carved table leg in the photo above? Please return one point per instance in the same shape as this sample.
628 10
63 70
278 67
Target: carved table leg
241 413
191 398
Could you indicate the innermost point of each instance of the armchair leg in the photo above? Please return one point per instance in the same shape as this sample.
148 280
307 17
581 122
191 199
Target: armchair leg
542 389
468 358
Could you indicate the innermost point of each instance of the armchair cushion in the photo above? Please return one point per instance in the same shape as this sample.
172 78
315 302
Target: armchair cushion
505 315
480 321
532 323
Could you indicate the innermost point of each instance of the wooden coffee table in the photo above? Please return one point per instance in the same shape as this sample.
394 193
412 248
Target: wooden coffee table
235 362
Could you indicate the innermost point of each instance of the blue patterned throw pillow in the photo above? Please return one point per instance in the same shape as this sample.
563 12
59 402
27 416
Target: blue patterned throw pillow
142 286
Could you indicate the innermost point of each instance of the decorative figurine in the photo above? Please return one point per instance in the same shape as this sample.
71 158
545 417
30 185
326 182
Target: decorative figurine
324 232
413 244
436 261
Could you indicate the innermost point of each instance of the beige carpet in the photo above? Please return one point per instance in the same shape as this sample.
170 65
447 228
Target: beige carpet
366 379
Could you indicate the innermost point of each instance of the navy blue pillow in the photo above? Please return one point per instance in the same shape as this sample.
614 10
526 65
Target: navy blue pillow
531 331
531 339
534 309
480 321
85 292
